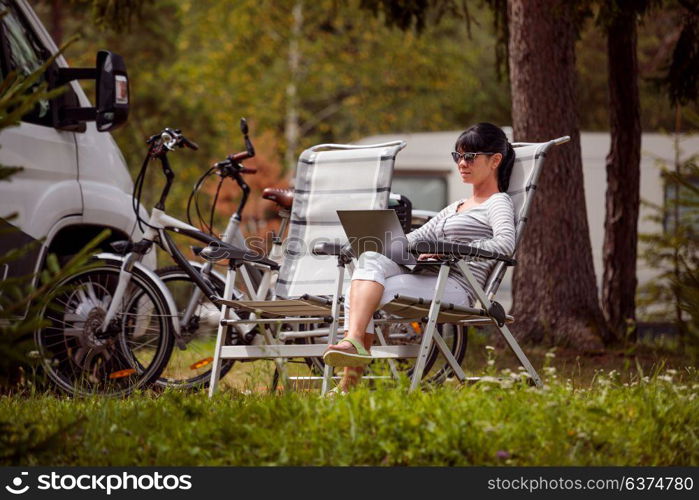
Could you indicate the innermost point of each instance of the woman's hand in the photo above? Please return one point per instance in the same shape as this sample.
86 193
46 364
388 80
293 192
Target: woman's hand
428 256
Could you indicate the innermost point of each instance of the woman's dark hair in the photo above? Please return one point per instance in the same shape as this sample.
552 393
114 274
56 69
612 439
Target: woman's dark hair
488 138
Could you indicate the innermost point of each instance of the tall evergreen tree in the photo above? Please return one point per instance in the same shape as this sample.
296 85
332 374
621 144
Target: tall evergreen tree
619 20
554 289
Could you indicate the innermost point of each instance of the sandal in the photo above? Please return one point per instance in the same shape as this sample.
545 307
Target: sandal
338 391
335 392
335 357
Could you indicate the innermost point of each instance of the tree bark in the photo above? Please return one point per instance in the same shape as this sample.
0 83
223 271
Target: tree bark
291 127
57 21
554 288
623 179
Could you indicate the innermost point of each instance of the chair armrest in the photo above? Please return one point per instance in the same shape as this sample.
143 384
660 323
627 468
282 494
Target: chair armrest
458 250
339 249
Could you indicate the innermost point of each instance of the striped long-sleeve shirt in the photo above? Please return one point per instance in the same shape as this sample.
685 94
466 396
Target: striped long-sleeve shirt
490 226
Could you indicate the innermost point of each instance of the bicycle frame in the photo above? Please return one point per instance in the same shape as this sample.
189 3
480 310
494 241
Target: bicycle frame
156 231
232 235
159 224
257 287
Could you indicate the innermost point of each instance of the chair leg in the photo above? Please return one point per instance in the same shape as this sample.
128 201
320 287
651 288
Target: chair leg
279 362
332 337
382 341
524 361
221 333
426 343
446 352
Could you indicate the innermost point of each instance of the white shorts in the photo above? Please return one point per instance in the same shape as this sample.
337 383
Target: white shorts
396 279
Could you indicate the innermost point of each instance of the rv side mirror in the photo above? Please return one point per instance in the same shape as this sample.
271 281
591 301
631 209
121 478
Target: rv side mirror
112 91
112 88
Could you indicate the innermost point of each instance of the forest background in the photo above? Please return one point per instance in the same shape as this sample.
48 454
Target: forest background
333 71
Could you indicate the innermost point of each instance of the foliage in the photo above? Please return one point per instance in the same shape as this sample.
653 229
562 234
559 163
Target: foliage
413 14
115 14
20 296
18 95
495 422
681 80
674 253
21 300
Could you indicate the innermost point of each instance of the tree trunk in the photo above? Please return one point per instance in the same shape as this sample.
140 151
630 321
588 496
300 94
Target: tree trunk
291 127
57 21
623 178
554 287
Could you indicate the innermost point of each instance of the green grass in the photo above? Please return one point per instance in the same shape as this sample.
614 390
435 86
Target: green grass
610 420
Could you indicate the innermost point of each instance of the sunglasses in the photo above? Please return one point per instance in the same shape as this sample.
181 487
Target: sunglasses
467 157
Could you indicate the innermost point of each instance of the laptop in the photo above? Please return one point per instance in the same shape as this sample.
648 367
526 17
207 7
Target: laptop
377 231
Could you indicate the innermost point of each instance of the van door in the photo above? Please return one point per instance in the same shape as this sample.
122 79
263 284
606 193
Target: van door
47 189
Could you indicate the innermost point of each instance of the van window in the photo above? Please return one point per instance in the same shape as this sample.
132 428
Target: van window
23 53
425 192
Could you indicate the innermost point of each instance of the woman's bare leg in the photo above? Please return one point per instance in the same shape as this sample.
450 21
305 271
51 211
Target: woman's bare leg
365 297
352 374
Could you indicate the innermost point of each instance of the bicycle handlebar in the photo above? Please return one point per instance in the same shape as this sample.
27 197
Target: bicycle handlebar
249 148
228 168
233 161
168 139
232 168
190 144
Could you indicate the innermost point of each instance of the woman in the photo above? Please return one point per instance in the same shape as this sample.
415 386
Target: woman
486 220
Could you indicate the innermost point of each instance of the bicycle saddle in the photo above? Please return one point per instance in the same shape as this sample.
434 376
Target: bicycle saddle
223 251
282 197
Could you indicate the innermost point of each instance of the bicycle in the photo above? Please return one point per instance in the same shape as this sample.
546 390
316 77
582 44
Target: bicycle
113 330
189 367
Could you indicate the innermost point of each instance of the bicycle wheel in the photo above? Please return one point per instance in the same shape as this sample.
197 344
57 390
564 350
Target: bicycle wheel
436 368
190 368
80 358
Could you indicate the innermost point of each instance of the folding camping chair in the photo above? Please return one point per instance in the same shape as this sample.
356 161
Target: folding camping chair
528 162
309 287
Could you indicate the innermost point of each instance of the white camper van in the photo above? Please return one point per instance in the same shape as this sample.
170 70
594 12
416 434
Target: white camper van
74 180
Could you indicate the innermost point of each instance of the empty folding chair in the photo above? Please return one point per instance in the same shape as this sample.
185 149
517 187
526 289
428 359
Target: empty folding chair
309 287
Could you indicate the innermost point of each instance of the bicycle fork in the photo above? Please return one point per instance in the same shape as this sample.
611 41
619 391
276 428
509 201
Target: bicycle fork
125 276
